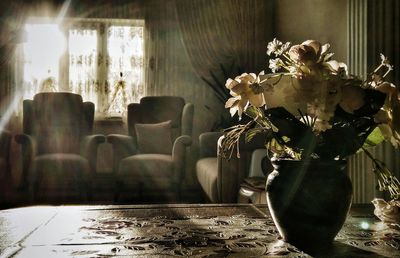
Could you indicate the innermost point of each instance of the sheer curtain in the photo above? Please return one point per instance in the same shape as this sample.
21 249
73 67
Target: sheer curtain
83 60
106 65
39 58
125 67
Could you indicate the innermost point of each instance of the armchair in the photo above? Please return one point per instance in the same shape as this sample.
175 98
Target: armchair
151 158
58 152
5 169
220 178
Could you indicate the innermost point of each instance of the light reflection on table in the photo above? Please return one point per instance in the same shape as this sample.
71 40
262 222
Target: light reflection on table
238 230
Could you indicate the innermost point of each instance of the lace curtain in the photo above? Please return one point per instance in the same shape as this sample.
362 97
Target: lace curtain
125 67
83 58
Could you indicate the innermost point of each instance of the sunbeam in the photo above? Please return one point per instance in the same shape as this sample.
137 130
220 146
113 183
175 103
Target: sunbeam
13 106
63 11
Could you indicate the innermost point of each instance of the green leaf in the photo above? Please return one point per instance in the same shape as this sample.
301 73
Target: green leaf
252 132
374 138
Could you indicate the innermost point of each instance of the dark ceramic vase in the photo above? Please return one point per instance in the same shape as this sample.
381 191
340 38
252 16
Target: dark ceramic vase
309 200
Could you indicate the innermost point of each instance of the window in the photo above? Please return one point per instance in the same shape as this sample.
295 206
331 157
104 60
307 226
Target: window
100 59
39 65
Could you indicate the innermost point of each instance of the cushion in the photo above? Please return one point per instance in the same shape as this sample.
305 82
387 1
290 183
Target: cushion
147 165
154 138
60 171
61 164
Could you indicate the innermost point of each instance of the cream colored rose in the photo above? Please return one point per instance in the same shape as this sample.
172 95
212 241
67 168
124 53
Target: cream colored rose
307 52
282 91
311 95
244 89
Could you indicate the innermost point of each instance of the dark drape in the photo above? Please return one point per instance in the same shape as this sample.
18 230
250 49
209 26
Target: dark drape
384 35
219 32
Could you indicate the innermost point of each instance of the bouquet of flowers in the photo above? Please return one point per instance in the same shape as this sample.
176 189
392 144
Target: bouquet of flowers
310 107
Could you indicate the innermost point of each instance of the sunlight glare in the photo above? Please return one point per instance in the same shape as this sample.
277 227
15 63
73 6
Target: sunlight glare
364 225
13 106
42 51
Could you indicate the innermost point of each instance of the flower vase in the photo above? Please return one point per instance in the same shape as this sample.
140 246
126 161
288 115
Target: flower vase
309 200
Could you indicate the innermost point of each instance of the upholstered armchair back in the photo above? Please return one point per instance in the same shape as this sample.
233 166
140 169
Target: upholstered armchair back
57 121
158 109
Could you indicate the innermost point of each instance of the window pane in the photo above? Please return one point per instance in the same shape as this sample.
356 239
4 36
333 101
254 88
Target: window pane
125 64
42 51
82 45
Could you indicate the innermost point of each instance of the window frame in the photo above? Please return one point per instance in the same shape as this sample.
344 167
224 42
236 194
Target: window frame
101 25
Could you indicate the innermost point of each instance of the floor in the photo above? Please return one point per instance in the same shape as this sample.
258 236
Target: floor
103 194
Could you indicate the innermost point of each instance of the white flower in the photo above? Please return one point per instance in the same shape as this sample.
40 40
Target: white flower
275 64
384 60
325 54
337 68
273 46
293 70
325 48
283 49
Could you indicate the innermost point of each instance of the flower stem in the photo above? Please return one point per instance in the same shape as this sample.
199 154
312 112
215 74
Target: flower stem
386 180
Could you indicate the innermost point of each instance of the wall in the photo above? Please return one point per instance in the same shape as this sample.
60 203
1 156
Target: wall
322 20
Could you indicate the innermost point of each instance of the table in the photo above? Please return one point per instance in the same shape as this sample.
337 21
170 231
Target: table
196 230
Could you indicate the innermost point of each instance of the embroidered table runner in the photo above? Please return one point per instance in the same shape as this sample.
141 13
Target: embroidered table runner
174 230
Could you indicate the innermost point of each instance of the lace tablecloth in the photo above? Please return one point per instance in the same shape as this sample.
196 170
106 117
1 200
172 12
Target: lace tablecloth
174 230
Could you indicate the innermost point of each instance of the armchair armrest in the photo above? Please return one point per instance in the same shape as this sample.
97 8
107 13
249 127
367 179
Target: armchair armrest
28 150
123 146
187 119
232 171
89 147
28 143
4 135
208 144
5 143
230 175
178 154
5 140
